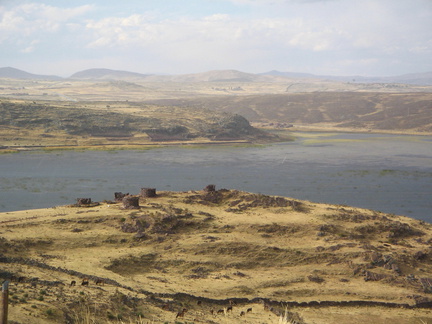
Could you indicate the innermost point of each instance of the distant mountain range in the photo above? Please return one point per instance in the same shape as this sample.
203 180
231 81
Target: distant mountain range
216 76
412 78
12 73
106 74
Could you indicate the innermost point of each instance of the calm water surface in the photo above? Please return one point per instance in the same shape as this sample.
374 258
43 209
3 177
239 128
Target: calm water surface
387 173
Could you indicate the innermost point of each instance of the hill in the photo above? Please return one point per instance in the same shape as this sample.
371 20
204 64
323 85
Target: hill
40 124
221 76
223 255
355 110
411 78
12 73
209 76
107 74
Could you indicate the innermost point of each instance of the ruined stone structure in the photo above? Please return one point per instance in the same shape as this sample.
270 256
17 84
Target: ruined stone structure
210 188
83 201
118 196
130 202
148 192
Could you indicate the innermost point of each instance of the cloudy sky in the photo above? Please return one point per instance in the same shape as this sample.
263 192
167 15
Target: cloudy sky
337 37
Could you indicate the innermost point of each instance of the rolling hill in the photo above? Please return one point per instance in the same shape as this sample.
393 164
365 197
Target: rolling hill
12 73
107 74
218 76
54 124
411 78
357 110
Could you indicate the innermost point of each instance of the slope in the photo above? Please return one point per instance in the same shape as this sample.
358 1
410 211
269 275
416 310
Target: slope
212 250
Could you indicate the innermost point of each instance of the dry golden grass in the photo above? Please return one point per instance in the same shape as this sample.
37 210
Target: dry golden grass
200 250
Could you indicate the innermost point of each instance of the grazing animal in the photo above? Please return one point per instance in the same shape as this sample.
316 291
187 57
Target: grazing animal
181 314
100 282
85 282
73 283
229 309
249 310
242 313
199 302
211 311
220 311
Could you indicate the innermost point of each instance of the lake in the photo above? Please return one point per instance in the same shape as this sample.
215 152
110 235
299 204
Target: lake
388 173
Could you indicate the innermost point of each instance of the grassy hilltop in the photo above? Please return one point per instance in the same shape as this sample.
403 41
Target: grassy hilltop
210 250
117 124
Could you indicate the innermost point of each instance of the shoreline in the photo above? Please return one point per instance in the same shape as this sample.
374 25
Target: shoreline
324 128
108 146
289 132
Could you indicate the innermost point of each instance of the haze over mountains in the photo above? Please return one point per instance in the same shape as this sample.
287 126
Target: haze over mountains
216 76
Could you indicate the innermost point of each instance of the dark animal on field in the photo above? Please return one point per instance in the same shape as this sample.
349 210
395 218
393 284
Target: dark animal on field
242 313
211 311
85 282
229 309
220 311
249 310
18 279
73 283
181 314
199 302
100 282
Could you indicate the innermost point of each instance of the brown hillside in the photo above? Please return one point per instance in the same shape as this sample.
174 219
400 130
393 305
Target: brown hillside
370 110
210 250
353 106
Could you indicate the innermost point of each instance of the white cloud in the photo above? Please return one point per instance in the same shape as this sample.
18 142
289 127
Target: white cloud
24 22
31 47
247 34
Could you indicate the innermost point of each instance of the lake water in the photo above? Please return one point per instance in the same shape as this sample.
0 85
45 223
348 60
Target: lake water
388 173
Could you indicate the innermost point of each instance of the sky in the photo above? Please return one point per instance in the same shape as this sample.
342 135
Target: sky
325 37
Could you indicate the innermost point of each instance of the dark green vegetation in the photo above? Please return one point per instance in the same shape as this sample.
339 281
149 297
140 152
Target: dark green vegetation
365 110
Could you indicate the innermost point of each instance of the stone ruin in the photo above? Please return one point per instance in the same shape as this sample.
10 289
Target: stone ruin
118 196
83 201
130 202
148 192
210 188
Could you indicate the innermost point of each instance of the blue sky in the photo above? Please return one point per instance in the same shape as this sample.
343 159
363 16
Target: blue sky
336 37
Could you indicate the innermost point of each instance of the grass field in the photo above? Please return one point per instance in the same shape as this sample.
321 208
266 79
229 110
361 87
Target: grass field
206 251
